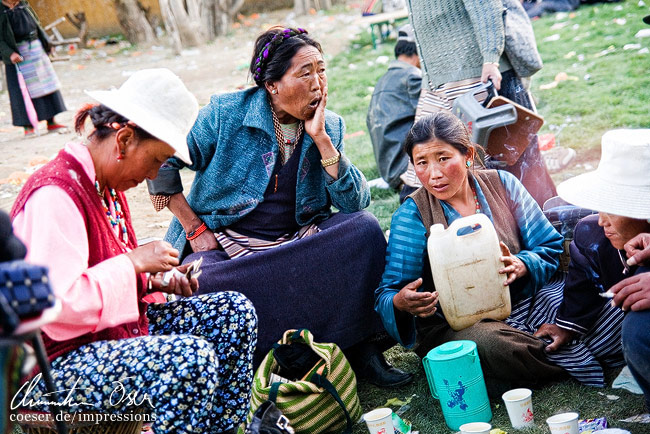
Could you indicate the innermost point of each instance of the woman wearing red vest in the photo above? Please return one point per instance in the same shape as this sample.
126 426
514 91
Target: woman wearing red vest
189 361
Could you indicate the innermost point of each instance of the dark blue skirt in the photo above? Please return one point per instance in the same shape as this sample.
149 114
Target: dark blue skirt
324 283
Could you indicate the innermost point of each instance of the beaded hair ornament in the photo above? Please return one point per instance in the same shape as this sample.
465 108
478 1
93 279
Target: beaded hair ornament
271 46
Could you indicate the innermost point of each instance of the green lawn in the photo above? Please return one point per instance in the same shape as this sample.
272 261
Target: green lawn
612 90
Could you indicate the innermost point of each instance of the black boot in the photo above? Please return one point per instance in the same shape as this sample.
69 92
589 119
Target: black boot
369 364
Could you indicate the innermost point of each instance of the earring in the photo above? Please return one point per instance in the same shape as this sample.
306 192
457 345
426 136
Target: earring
120 157
469 164
274 91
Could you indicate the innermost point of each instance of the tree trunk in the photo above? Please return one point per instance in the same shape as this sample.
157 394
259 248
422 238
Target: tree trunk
154 19
170 26
234 7
218 15
209 15
193 22
134 23
302 7
184 25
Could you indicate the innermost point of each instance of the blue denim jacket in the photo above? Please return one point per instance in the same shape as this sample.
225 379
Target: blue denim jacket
234 149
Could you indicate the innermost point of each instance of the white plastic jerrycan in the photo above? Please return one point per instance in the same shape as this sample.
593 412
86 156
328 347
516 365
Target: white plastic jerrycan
465 266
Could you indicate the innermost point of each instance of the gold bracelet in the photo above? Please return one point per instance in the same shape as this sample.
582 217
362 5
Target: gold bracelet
491 63
331 161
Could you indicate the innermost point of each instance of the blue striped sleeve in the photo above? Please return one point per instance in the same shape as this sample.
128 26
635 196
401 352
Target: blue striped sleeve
404 261
541 243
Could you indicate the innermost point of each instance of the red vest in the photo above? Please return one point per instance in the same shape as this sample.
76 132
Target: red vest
67 173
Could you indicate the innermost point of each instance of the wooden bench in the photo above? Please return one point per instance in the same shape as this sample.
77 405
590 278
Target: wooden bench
57 39
385 20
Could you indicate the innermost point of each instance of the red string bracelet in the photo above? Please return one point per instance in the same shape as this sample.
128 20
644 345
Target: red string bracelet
196 232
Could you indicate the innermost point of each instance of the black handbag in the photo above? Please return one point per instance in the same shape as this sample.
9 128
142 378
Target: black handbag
267 419
25 290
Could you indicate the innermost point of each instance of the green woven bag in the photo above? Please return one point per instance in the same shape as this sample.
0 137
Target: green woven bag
326 401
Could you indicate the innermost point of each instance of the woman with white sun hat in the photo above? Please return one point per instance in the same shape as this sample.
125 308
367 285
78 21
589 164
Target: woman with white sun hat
191 359
619 189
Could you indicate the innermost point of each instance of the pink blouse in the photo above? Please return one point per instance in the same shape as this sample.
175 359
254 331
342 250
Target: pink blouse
54 232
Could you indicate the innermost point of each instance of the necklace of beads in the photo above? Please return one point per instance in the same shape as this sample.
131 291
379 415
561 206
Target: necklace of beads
115 217
476 202
282 142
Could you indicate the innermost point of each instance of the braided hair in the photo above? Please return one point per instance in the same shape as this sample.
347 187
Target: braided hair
274 50
105 121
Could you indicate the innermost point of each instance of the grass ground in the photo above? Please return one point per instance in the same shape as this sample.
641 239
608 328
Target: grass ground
608 87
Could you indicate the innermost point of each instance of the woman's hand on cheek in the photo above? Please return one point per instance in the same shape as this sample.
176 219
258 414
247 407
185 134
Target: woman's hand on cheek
422 304
514 268
315 126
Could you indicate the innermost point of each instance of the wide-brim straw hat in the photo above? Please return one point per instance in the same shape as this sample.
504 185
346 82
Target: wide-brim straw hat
621 183
157 101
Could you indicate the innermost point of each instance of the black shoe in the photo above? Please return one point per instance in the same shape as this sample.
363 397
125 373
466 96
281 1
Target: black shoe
380 373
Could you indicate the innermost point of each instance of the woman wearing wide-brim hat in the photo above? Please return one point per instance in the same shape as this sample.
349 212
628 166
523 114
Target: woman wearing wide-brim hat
191 358
587 326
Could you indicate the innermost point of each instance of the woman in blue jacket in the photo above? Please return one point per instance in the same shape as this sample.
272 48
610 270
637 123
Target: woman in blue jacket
269 166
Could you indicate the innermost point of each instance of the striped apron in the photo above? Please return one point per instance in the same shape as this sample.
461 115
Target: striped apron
37 69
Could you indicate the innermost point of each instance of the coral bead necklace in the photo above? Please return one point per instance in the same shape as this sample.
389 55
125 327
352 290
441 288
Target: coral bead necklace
115 216
477 204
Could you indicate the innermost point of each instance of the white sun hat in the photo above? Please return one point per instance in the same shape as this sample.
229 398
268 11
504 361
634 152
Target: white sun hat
621 183
157 101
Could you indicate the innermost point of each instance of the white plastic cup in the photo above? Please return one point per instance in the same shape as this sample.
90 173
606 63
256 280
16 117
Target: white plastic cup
475 428
380 421
519 404
563 423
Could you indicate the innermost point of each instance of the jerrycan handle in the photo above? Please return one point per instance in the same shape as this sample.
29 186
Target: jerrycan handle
429 374
472 221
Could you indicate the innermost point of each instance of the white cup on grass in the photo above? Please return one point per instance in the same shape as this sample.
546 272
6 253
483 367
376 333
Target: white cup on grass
380 421
475 428
563 423
519 404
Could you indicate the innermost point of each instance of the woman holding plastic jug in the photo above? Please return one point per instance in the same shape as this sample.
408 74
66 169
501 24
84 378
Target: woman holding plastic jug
440 149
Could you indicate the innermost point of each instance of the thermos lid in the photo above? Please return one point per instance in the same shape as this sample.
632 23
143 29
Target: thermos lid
451 350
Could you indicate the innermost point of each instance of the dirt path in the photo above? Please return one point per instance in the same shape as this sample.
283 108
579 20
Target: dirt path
215 68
